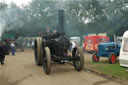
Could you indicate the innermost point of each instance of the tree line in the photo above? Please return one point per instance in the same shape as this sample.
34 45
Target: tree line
83 16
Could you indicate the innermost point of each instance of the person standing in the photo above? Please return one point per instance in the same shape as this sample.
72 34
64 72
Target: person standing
12 48
2 53
28 44
32 44
72 46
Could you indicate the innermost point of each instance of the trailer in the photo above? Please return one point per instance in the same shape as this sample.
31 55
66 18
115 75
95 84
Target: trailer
91 42
123 58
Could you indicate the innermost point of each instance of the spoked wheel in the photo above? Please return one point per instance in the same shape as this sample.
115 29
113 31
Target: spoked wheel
79 58
112 58
38 50
95 58
47 60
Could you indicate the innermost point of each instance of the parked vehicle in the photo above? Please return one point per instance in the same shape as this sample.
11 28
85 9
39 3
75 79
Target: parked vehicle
110 50
123 58
91 42
75 39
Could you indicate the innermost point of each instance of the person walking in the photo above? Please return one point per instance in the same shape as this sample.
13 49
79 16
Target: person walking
2 53
12 48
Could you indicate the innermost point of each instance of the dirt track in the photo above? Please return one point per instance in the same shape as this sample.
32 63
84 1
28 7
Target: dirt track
21 70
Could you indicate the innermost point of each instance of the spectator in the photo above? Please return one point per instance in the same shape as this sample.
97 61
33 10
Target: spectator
28 44
2 53
72 46
12 48
32 44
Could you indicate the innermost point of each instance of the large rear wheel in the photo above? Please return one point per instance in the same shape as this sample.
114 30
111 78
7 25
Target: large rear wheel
47 60
38 52
79 58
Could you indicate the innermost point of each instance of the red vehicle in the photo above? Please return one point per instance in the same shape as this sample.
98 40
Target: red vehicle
91 42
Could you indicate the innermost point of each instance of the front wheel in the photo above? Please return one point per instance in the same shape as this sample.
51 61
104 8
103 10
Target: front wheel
38 50
78 62
47 60
112 58
95 58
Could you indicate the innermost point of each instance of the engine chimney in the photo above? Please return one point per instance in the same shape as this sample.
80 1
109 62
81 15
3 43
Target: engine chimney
61 21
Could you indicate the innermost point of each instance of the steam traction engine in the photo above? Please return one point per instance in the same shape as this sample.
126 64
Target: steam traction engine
54 47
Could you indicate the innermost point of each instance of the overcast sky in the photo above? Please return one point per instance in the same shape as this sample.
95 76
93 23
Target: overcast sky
18 2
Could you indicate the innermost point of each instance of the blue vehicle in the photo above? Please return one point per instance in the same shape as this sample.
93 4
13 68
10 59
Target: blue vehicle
110 50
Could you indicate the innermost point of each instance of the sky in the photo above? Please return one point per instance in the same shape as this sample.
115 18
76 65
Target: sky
18 2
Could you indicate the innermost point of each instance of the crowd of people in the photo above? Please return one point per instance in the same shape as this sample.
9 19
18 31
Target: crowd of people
12 49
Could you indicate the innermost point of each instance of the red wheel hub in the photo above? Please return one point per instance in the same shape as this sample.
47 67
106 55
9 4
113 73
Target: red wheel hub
113 58
95 58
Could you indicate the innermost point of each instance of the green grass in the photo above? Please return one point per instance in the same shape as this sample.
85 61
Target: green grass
110 69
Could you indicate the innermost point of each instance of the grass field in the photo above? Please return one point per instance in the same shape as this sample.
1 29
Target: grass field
110 69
